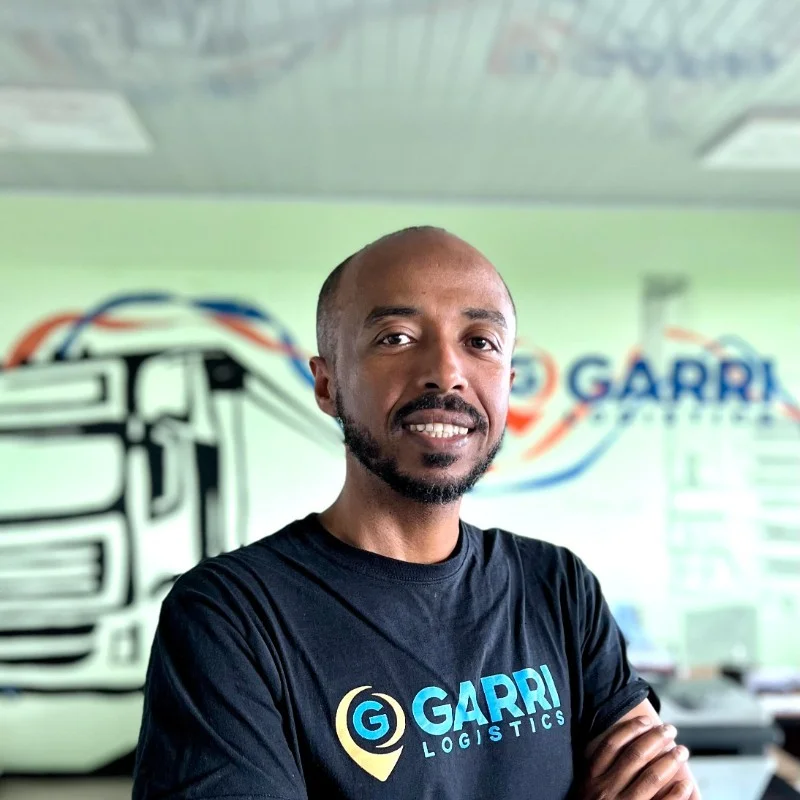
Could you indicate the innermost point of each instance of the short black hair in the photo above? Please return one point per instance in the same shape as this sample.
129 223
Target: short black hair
327 316
327 319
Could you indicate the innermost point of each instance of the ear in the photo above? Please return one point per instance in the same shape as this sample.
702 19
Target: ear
323 385
512 372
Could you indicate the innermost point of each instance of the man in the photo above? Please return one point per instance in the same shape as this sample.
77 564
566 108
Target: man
384 648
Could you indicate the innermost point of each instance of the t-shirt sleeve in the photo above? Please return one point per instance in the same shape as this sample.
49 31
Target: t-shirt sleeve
211 726
611 687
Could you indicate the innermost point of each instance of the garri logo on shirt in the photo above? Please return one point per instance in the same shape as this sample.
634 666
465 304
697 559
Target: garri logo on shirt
524 703
371 721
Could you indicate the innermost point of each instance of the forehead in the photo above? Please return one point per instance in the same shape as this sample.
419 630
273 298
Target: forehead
438 275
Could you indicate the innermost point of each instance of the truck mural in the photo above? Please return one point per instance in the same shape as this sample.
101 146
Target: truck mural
159 435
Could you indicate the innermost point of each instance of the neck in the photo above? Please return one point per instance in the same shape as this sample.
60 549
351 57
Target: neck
371 516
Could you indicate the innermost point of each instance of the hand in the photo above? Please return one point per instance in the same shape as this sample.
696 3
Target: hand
638 761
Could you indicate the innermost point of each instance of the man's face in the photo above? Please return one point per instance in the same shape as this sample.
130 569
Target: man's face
423 372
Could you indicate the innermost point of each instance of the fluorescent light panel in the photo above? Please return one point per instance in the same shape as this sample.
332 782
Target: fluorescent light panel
69 121
763 141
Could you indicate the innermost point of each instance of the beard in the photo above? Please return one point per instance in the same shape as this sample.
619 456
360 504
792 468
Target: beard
367 450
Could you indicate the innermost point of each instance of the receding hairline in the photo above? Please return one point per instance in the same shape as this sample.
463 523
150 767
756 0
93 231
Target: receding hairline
327 307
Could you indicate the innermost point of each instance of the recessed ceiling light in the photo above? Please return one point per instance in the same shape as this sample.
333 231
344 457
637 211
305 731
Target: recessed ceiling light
69 121
763 141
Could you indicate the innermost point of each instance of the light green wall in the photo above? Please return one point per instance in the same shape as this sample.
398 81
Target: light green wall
171 234
577 277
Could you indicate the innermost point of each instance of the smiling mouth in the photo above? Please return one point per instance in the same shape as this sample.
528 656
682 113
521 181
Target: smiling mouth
438 430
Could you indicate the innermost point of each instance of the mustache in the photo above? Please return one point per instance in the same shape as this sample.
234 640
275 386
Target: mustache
442 402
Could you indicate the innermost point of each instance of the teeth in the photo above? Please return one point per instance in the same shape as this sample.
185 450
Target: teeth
439 430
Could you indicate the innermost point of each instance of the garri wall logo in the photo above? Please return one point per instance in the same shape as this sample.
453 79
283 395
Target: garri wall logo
371 725
565 417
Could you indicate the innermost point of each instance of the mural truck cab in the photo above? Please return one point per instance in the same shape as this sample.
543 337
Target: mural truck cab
113 487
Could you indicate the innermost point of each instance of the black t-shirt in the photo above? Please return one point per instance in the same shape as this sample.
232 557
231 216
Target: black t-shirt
300 667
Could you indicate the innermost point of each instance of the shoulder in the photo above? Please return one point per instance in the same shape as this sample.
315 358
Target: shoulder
233 583
547 563
537 554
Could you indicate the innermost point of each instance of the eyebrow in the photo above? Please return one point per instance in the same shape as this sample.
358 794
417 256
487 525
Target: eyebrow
380 313
486 314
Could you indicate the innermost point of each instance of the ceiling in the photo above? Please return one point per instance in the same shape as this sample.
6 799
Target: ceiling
512 100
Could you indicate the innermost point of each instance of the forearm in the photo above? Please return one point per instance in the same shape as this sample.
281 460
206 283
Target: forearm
637 759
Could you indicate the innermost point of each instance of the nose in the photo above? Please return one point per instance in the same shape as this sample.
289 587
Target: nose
442 369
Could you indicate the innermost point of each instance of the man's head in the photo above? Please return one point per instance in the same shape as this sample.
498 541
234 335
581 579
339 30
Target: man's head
415 334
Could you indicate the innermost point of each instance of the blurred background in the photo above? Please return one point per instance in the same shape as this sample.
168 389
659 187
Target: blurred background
179 176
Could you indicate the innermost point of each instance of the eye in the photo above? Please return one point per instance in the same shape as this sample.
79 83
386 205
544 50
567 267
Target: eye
482 343
395 339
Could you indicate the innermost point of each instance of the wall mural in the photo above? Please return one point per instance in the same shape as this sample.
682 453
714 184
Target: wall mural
679 56
672 62
715 380
154 430
159 432
226 48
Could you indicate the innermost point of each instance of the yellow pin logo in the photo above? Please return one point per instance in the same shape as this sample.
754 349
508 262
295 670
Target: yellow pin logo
371 723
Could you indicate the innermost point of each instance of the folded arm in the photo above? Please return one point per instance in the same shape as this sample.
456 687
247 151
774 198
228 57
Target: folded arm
637 759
